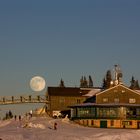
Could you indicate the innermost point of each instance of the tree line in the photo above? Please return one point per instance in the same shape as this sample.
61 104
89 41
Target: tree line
106 83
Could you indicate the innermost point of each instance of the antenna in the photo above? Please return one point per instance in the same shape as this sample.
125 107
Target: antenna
117 75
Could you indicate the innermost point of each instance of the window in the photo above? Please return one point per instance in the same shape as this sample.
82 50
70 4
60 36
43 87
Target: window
78 101
113 112
92 122
83 112
132 100
86 112
62 101
112 123
116 100
105 100
127 123
107 112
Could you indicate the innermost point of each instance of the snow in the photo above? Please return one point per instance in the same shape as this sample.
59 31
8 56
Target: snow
92 92
41 128
4 123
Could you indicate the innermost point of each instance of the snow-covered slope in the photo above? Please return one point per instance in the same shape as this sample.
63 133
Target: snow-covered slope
42 129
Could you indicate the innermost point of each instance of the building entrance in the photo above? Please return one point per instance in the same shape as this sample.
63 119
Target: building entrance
103 124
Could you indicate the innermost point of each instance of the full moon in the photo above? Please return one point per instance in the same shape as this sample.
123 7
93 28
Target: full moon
37 83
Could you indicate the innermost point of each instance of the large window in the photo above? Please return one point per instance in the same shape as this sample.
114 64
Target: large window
98 112
86 112
138 112
114 112
73 112
107 112
131 112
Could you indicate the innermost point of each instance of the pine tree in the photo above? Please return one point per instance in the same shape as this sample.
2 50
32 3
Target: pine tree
85 82
137 85
61 83
108 79
90 84
133 82
104 85
81 81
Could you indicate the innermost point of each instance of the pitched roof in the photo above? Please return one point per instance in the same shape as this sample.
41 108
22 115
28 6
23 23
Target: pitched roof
120 85
64 91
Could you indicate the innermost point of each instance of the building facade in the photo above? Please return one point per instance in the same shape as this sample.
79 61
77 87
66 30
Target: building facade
116 107
61 97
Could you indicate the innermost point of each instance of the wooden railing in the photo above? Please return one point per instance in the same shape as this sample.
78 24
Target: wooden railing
23 99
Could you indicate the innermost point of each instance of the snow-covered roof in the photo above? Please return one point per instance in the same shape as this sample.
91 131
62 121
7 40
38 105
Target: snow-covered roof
138 91
92 92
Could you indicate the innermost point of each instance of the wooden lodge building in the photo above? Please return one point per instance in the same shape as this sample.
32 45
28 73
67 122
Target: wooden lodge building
61 98
115 107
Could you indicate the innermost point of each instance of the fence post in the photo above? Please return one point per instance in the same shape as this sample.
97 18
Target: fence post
4 99
29 97
21 98
12 98
38 98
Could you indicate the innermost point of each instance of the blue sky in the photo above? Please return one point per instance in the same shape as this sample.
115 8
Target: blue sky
67 39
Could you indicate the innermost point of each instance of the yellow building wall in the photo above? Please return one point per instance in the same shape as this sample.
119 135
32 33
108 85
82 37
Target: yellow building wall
116 124
110 124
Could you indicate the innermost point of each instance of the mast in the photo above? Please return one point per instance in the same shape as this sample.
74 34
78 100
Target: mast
117 75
